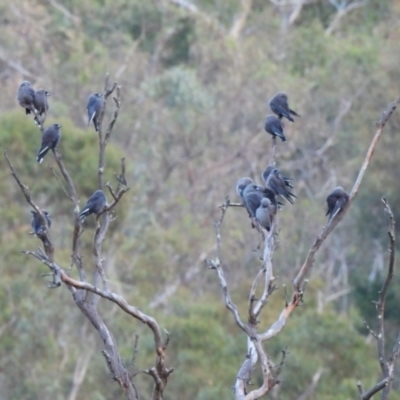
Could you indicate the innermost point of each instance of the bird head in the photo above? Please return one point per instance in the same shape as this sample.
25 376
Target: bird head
242 183
265 202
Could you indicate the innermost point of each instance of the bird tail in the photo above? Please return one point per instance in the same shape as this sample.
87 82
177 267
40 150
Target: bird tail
41 154
294 113
83 214
283 138
289 117
289 196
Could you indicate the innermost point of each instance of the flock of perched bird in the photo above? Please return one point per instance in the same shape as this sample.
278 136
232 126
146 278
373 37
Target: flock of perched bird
260 201
36 103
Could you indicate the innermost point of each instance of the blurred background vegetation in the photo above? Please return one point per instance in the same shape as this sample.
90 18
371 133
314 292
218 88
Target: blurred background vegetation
196 81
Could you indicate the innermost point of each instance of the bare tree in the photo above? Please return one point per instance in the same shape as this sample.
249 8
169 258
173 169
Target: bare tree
86 295
387 364
265 278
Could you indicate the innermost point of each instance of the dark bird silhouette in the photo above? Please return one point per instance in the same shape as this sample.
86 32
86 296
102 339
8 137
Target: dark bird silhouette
50 139
25 96
36 223
40 101
94 106
275 127
268 169
336 201
95 204
279 105
265 213
276 182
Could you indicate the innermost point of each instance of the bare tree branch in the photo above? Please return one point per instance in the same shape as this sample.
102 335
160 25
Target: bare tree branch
217 265
387 365
336 219
342 10
240 21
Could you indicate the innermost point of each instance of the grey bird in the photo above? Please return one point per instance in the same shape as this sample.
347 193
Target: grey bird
94 106
275 127
25 96
336 201
276 183
241 185
40 101
279 105
95 205
50 139
253 195
36 222
265 213
268 169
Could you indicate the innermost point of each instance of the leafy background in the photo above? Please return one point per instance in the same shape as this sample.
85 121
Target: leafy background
194 102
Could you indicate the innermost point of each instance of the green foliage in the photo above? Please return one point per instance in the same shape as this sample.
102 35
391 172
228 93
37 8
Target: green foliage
191 123
179 88
335 335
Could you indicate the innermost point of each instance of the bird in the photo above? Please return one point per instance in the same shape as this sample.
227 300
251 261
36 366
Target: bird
275 127
265 213
40 101
94 106
253 195
95 205
336 201
241 185
268 169
36 222
50 139
279 106
25 96
276 182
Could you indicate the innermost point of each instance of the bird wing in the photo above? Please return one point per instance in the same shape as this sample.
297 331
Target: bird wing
252 200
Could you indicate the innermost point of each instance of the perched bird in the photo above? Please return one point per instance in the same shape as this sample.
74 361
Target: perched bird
265 213
50 138
268 193
336 201
276 182
279 105
268 169
94 106
253 195
25 96
241 185
275 127
95 204
36 223
40 101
